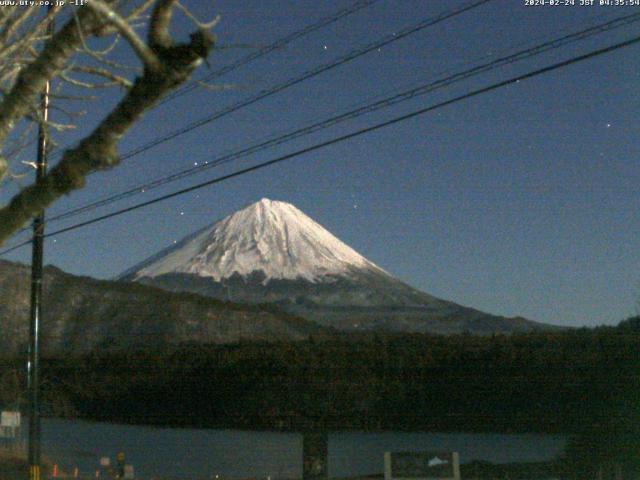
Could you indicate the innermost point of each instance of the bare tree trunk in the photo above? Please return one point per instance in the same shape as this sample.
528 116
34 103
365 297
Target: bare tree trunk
166 65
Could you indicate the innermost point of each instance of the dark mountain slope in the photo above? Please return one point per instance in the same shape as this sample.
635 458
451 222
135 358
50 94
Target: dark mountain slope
82 314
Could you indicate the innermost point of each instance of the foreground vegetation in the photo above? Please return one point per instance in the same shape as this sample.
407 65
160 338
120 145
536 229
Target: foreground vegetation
585 383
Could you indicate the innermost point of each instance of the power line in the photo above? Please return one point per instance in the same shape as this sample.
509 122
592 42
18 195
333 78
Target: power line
294 81
368 108
387 40
15 247
279 43
357 6
384 41
349 136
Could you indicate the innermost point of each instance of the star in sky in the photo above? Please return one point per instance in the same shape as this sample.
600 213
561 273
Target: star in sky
497 132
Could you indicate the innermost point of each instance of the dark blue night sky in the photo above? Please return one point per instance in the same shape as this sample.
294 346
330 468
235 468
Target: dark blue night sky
522 201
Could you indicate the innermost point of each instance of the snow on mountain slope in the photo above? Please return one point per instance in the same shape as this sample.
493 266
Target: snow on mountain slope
269 236
271 252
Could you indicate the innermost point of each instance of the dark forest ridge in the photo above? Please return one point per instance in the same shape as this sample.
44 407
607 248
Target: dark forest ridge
83 314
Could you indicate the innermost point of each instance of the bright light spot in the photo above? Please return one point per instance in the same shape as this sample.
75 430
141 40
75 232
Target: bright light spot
195 163
325 47
608 125
181 213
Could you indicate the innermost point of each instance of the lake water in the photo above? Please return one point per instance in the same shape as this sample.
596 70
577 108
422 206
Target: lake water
201 453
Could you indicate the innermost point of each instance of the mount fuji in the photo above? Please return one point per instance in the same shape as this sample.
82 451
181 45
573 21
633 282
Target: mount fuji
271 252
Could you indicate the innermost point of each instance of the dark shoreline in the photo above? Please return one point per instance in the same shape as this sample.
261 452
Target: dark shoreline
583 383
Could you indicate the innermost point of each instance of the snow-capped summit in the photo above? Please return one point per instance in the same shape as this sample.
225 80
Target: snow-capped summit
271 252
268 236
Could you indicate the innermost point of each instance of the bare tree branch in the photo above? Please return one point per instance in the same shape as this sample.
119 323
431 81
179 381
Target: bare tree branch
104 73
202 25
97 151
4 167
11 26
143 51
138 11
159 36
32 79
123 82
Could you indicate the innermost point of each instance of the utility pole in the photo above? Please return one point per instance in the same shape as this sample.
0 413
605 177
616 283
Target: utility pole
33 365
